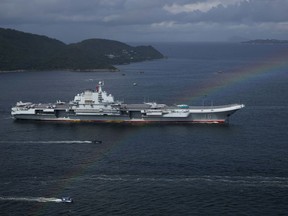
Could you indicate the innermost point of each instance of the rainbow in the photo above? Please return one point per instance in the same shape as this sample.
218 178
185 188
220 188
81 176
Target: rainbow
79 171
225 80
258 70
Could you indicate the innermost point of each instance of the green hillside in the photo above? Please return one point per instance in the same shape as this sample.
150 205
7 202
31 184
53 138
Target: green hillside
25 51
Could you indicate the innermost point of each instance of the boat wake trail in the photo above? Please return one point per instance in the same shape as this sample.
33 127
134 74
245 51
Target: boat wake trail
50 142
31 199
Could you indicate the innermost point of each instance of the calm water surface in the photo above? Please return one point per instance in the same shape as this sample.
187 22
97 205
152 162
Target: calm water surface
235 169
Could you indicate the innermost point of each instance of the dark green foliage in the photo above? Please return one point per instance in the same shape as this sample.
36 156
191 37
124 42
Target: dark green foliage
25 51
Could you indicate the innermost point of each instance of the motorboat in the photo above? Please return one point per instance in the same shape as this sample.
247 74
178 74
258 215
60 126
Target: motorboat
66 200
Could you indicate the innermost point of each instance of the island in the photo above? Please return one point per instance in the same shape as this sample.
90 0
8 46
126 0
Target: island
266 41
20 51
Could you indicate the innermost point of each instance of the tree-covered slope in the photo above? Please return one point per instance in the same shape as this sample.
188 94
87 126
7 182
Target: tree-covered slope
25 51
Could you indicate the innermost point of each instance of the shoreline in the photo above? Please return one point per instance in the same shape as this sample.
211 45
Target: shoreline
69 70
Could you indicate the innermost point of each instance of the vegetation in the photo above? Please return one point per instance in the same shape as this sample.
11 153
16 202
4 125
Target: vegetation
25 51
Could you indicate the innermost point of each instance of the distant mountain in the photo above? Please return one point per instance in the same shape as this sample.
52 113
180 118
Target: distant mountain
266 41
25 51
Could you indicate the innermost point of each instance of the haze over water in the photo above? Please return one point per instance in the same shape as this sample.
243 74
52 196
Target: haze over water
235 169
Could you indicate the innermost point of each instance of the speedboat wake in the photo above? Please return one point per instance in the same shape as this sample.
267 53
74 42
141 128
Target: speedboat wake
49 142
31 199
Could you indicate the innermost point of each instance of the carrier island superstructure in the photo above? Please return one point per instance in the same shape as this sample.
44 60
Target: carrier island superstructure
99 106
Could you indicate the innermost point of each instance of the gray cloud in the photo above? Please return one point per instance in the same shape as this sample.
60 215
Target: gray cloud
158 20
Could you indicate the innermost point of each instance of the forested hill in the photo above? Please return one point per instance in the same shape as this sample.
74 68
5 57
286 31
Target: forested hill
25 51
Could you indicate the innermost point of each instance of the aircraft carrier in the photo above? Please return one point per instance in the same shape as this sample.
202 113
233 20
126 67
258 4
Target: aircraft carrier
99 106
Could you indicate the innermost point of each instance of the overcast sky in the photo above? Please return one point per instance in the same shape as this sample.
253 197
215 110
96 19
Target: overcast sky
148 20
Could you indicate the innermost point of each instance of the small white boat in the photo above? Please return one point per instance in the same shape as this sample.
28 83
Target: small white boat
67 200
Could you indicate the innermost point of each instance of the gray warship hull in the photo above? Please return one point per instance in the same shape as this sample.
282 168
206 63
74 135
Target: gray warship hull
100 107
211 114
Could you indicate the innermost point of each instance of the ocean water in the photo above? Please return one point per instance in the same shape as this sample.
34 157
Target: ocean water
176 169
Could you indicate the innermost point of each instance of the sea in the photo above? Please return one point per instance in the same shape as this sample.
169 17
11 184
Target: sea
240 168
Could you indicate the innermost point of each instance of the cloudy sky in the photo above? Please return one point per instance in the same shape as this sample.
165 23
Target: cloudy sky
148 20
